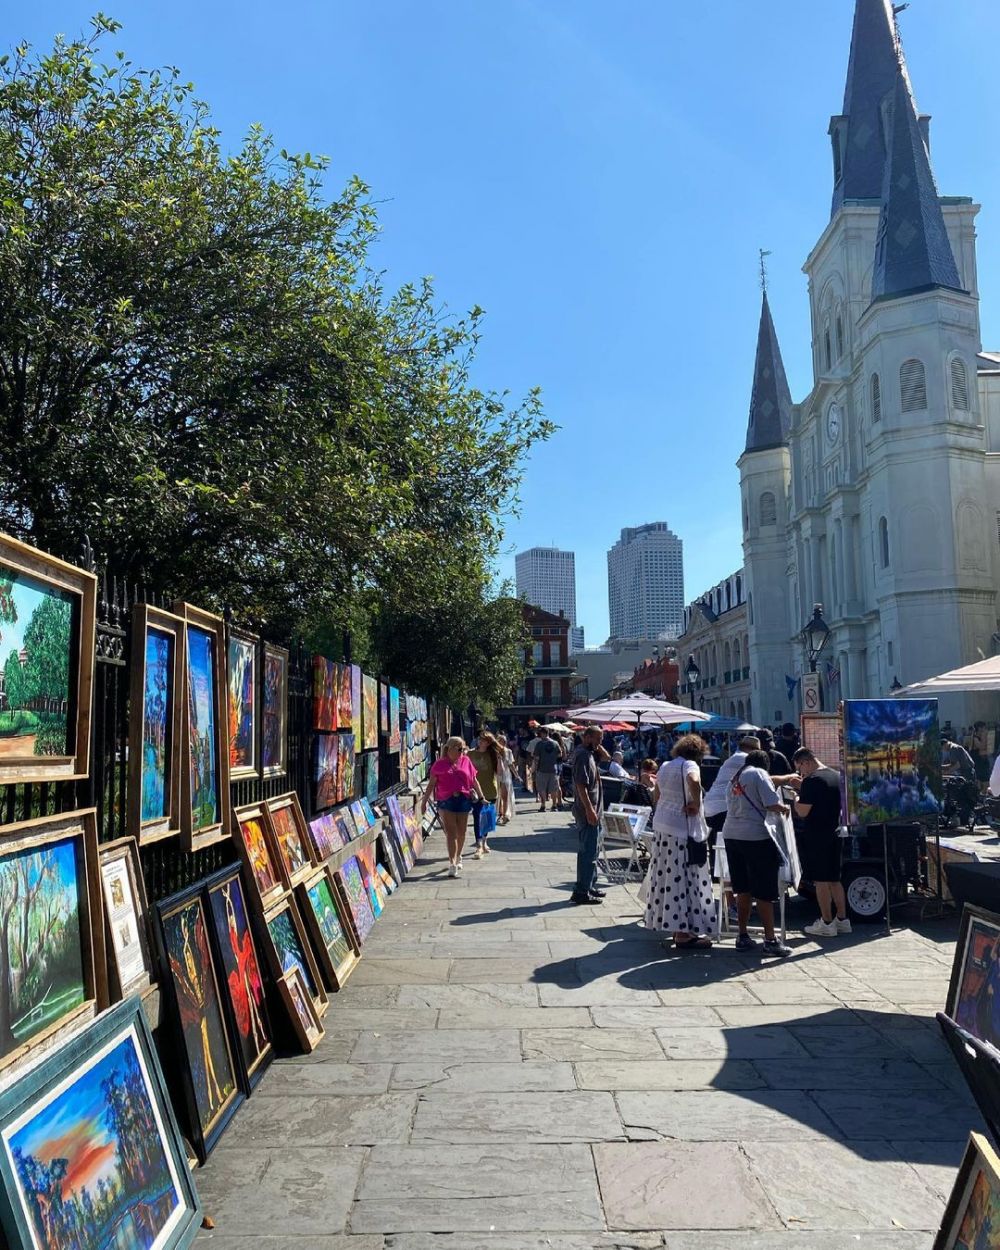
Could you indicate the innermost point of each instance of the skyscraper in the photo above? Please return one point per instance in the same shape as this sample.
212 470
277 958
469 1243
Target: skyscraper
646 583
546 577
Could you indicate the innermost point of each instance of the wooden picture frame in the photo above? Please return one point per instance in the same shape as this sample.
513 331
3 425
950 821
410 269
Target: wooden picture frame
204 1065
288 947
301 1010
206 652
243 703
48 872
155 733
975 1198
36 704
254 838
274 712
329 927
980 1065
131 969
71 1104
354 894
977 953
240 977
291 837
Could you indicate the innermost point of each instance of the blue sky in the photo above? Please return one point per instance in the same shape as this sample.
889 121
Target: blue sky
599 178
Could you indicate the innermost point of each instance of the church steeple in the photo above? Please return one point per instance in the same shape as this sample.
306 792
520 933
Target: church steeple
771 401
859 147
912 250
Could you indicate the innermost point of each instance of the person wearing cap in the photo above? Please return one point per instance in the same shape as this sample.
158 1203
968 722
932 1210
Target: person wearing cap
779 765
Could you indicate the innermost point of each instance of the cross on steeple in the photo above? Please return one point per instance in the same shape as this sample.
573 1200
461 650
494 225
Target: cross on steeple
763 270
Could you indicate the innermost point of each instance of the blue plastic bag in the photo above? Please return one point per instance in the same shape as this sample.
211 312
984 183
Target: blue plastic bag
487 819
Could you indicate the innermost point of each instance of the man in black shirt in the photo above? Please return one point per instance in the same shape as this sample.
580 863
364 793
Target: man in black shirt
818 808
778 765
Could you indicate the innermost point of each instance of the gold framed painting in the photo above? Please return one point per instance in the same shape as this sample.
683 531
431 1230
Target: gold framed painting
274 712
47 633
51 928
156 709
204 737
126 919
288 947
301 1010
291 837
972 1217
256 844
243 724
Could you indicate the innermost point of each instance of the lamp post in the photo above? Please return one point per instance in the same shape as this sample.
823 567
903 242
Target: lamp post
815 633
692 673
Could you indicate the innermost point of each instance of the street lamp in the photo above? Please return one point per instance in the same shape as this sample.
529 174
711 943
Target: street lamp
896 685
815 633
692 673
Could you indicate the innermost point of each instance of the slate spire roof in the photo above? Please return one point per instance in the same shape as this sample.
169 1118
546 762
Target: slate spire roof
771 401
872 72
912 251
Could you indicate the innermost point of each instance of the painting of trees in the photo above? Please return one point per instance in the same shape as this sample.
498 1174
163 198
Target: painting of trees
36 632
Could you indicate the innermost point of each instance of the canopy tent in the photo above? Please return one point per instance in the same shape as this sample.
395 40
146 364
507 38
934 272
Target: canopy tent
635 710
983 676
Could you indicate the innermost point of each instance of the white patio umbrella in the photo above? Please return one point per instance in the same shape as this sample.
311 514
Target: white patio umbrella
983 676
637 708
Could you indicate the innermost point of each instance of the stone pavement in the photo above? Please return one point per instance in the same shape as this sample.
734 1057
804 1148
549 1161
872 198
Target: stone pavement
505 1071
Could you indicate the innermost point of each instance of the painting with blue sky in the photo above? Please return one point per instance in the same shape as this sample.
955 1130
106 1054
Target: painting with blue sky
36 666
892 760
202 736
157 717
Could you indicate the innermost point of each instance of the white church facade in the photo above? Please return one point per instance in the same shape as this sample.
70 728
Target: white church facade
877 496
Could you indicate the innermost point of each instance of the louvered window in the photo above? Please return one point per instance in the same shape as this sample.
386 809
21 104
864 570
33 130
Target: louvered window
876 399
959 385
913 386
768 509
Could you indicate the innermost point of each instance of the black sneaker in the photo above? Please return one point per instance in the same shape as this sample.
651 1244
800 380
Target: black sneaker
585 900
746 943
598 893
773 946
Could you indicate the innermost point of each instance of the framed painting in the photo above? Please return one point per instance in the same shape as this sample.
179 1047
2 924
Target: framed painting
205 1066
91 1157
357 811
394 735
301 1010
274 712
383 708
241 678
329 929
892 760
352 888
371 777
346 784
126 919
346 826
345 706
255 841
156 709
205 745
391 855
972 1217
291 837
327 772
324 836
47 624
980 1065
373 882
974 991
239 975
357 705
369 717
53 973
288 948
326 695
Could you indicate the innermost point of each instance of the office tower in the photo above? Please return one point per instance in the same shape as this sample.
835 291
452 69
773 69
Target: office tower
546 577
576 640
646 583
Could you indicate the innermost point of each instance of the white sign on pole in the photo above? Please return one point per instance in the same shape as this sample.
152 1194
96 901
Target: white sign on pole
810 692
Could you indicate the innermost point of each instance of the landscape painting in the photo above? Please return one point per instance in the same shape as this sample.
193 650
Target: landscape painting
37 667
288 947
258 854
326 694
274 712
323 910
209 1066
356 895
243 984
157 719
394 736
892 759
369 687
327 770
974 993
242 671
43 941
202 732
93 1171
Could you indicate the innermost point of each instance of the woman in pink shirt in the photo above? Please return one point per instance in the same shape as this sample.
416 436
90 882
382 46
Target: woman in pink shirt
452 784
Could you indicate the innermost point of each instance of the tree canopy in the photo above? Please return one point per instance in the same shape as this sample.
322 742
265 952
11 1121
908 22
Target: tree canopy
201 371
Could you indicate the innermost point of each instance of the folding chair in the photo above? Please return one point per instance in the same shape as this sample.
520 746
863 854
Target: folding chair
619 830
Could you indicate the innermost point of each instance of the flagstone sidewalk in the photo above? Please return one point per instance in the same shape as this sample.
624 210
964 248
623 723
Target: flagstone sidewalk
505 1071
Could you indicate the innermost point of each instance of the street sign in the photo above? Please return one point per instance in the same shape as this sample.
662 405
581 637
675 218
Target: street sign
810 692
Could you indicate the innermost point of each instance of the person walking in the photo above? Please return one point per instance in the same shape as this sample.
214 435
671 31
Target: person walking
547 753
679 895
818 807
453 785
505 782
753 856
588 808
487 761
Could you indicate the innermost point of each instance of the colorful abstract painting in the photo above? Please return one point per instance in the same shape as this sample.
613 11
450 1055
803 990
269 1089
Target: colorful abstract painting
345 705
242 705
38 667
394 737
326 694
325 833
369 688
41 937
357 705
157 718
285 937
892 760
366 805
324 907
90 1161
974 998
383 707
371 776
262 866
203 1030
202 733
369 875
346 787
291 843
357 898
243 983
327 770
274 712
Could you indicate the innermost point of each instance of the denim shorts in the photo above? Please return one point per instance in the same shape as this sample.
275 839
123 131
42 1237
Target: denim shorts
459 803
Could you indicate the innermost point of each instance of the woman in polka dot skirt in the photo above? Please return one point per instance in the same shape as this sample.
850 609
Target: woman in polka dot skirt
679 897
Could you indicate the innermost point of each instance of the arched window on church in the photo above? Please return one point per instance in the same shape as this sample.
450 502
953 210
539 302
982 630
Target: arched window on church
768 509
913 386
876 399
959 385
883 542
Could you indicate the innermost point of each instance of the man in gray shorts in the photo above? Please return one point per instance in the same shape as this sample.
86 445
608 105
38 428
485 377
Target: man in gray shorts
548 754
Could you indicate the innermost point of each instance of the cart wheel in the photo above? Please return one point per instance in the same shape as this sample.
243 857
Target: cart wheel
866 894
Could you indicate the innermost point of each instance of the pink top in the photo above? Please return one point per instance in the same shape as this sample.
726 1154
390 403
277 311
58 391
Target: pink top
451 779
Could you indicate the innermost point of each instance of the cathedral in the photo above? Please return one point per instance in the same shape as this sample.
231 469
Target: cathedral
877 496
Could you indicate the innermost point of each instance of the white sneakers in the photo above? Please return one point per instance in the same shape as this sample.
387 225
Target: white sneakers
452 870
820 928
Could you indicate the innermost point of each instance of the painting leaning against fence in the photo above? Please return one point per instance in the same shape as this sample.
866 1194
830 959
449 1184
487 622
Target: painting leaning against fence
36 662
242 704
202 734
156 721
89 1159
41 941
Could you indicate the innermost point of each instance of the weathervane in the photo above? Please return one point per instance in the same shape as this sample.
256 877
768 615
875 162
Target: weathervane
763 270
